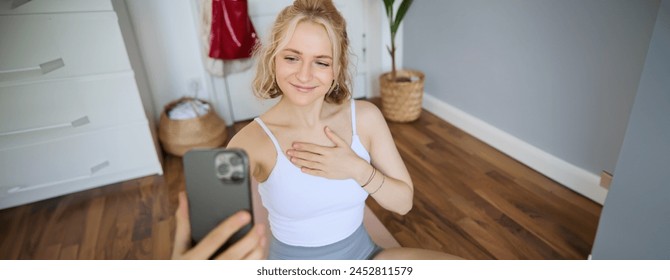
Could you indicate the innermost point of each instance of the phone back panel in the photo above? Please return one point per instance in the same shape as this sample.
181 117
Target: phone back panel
217 185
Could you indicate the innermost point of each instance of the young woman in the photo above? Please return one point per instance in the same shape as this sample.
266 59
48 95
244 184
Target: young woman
317 153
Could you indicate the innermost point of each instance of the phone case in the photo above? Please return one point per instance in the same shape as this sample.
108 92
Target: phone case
217 185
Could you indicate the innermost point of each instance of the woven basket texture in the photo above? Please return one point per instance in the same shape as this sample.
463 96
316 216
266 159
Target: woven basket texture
179 136
401 101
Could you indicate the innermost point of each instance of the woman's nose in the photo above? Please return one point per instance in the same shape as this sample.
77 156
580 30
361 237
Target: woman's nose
305 72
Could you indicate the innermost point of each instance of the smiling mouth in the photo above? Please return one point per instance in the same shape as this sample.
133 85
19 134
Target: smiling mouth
303 88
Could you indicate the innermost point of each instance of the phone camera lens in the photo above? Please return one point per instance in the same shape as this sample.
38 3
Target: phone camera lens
224 168
235 160
237 176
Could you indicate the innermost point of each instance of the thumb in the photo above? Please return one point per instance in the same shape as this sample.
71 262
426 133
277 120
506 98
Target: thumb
335 138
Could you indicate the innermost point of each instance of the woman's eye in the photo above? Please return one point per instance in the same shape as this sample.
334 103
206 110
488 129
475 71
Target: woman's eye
290 58
322 64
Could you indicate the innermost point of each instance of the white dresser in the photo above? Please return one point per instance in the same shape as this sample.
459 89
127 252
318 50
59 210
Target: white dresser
71 117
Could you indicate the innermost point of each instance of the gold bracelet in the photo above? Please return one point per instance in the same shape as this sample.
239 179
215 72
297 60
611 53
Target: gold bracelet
380 185
374 171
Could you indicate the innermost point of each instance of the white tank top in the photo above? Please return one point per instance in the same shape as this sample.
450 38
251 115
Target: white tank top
311 211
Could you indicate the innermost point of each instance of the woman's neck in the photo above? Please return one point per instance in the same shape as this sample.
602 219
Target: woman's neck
308 116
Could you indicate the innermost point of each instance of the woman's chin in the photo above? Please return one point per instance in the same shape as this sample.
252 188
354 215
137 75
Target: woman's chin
303 98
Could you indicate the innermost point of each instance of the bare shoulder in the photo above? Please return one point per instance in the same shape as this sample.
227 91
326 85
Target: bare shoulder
253 140
248 133
368 115
370 124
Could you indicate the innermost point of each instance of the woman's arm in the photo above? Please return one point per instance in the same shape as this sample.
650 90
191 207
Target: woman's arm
391 186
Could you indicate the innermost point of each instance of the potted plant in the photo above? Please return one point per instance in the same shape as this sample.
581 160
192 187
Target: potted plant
401 90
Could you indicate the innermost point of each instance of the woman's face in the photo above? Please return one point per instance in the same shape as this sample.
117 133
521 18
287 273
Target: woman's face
305 65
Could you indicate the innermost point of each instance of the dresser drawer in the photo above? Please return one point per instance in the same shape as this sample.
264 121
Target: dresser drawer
39 168
39 112
48 46
13 7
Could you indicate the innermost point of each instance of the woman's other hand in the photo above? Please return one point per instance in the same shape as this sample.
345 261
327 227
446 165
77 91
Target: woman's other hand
250 247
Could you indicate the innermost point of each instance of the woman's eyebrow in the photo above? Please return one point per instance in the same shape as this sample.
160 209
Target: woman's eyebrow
300 53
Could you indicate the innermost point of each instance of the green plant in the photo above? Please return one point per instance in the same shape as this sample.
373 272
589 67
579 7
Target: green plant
395 18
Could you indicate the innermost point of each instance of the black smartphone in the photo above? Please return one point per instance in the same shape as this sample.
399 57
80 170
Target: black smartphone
217 185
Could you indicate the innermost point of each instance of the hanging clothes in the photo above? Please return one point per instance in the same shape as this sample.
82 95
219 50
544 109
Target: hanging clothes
228 36
233 35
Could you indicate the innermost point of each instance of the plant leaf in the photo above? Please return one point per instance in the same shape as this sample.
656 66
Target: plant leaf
402 10
389 8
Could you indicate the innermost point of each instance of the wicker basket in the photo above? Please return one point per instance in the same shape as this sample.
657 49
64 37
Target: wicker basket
401 101
179 136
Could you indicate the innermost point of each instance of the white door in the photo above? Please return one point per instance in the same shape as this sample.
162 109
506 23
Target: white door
243 104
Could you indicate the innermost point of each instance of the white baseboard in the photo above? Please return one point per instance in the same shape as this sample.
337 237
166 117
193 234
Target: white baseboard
571 176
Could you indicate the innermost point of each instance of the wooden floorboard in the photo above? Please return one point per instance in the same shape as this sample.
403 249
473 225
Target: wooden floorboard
470 200
503 208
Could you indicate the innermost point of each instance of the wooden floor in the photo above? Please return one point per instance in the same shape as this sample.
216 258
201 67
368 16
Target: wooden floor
470 200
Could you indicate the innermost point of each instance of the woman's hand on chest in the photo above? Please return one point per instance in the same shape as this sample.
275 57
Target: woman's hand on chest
337 161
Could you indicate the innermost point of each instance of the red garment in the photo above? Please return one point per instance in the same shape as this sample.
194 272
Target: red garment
232 34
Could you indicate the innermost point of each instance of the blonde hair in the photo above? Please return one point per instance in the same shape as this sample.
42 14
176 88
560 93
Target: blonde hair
321 12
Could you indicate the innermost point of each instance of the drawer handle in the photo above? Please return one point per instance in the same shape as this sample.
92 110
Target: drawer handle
18 3
39 70
76 123
96 168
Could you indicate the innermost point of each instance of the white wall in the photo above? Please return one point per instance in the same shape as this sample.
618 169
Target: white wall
167 37
166 32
